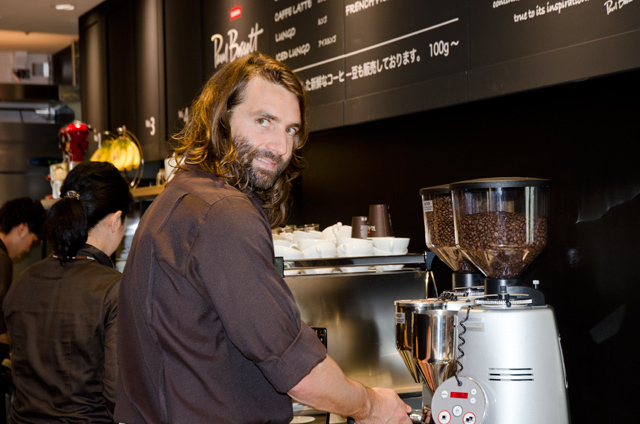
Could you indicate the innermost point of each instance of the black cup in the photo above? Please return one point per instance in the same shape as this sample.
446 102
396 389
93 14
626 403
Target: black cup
359 227
379 221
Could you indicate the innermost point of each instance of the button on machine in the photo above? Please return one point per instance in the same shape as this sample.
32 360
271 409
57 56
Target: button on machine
444 417
459 404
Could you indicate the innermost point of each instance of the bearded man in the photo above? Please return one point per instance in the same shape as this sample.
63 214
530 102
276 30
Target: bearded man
208 331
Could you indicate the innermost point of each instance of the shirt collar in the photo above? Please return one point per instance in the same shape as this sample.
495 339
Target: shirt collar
97 254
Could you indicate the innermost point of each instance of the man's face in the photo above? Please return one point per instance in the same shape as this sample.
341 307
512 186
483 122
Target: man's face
23 244
264 128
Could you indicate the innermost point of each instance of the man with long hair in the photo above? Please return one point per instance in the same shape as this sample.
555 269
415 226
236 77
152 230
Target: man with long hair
208 330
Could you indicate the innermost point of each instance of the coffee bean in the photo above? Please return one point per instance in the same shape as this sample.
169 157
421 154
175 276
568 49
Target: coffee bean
503 244
439 223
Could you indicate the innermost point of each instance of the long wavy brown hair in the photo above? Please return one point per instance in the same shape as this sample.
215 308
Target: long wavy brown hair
206 141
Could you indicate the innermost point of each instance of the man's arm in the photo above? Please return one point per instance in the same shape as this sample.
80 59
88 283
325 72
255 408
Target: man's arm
326 388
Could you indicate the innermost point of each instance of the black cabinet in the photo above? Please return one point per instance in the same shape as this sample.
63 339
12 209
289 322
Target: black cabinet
140 67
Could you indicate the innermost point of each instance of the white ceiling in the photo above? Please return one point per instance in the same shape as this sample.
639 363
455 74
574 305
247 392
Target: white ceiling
35 26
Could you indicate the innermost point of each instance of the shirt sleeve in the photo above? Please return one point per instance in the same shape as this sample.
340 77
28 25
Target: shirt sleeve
110 372
233 259
6 274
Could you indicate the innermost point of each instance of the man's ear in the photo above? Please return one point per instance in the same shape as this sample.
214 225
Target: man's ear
22 229
116 221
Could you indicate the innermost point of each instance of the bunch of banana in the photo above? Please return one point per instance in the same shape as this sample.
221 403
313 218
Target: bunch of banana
122 152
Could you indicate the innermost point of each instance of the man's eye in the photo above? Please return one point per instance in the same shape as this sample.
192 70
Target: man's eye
292 131
262 121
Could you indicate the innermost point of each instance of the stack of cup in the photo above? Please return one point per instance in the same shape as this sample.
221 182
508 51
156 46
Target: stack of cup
390 246
336 231
353 247
283 247
316 249
313 245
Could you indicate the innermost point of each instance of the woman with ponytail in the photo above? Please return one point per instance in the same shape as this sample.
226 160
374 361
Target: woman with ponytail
61 312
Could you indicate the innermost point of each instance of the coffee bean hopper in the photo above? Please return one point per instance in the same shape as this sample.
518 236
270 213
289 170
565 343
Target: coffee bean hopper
491 357
437 205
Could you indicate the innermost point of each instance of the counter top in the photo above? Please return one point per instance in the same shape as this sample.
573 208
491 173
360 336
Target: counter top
145 193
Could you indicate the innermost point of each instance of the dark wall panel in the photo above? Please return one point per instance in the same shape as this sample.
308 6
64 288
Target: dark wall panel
183 59
150 73
93 71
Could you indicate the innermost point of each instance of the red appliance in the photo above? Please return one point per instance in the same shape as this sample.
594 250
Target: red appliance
73 141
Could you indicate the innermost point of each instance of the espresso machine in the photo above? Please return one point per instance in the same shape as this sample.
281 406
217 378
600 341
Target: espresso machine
490 353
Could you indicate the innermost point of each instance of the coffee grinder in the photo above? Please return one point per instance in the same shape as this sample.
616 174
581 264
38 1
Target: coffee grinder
493 357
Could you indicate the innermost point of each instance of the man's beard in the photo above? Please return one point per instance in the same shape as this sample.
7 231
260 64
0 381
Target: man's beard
259 178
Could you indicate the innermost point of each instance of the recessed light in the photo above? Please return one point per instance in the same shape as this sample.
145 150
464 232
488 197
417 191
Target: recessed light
64 6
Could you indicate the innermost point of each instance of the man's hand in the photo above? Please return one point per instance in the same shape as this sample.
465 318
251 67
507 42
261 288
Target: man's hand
386 408
327 388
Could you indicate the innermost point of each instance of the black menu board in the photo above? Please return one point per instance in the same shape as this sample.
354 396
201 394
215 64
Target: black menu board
309 36
363 60
517 45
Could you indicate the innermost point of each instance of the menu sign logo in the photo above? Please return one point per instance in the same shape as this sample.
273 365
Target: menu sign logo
228 52
235 13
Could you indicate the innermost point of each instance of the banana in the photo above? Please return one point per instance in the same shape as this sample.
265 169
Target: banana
122 152
101 154
128 160
117 155
137 159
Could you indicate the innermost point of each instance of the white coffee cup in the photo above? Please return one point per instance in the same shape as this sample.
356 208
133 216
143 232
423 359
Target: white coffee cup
288 253
304 235
326 249
304 244
336 231
282 242
355 247
318 270
382 268
380 252
391 244
344 240
358 247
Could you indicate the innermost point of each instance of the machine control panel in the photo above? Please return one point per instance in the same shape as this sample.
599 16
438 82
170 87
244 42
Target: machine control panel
459 404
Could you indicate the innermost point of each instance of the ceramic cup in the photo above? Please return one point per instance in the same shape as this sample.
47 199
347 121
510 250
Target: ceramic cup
382 268
282 242
288 253
305 244
336 231
325 249
304 235
353 248
394 245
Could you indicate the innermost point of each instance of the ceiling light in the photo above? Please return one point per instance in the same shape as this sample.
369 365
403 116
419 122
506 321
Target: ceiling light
64 6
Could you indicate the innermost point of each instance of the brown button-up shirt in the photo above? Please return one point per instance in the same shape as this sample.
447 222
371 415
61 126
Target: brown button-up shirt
209 331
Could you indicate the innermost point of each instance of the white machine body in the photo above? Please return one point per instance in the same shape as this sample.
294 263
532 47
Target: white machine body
512 368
